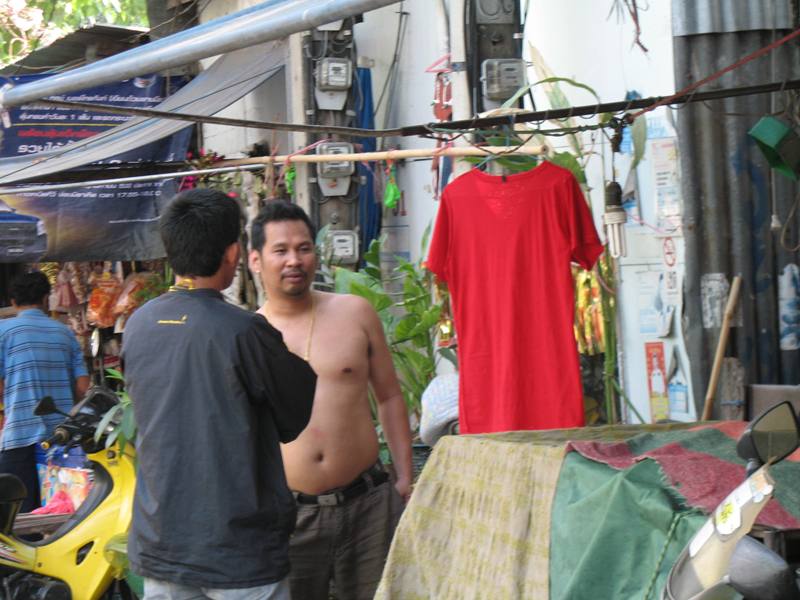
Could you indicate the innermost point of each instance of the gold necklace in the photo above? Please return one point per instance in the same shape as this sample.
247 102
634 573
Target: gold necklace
182 283
307 354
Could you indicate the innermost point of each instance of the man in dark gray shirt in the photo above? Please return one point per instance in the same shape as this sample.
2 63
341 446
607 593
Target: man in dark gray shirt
214 391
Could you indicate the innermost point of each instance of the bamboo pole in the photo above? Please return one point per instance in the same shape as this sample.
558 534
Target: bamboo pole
389 155
716 367
228 166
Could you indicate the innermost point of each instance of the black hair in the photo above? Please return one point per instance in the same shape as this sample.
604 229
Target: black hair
29 289
196 228
277 210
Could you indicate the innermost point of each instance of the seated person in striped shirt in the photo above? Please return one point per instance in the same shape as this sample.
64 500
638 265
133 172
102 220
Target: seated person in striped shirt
38 357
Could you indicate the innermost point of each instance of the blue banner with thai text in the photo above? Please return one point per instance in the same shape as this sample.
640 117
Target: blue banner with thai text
109 222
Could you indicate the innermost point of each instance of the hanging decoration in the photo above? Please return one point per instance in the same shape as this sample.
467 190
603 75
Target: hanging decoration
391 194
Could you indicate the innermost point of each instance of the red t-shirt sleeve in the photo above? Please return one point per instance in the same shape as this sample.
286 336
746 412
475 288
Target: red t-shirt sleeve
440 242
585 244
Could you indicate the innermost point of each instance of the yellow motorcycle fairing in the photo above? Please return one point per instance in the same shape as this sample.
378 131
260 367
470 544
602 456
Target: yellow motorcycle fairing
74 553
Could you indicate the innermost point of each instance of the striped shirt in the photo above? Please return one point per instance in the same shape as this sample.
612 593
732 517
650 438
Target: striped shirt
38 357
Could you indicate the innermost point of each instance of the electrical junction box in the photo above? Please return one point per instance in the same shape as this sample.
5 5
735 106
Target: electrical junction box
502 77
344 246
333 177
334 74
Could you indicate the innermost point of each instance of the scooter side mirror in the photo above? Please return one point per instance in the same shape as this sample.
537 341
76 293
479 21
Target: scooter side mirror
772 436
95 342
46 406
758 572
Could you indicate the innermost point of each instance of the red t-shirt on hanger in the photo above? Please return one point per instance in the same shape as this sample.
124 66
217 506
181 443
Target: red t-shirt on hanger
504 247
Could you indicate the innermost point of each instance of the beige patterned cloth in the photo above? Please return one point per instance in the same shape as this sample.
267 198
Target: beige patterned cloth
478 523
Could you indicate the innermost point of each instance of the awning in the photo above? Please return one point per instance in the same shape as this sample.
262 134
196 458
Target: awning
230 77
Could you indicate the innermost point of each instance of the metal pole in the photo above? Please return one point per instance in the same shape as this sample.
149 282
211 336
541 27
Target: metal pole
271 20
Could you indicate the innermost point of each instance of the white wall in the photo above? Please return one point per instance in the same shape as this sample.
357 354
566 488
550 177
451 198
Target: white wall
266 103
375 38
577 39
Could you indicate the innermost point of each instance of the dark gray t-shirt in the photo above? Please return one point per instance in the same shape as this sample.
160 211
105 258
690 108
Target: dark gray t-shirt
214 391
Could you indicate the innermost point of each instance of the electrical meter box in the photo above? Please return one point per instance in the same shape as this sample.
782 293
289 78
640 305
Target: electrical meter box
344 246
333 177
334 74
502 77
335 168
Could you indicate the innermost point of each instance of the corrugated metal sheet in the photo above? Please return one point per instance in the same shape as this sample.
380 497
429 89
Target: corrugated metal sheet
693 17
728 193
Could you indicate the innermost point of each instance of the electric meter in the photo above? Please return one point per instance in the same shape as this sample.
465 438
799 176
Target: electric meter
344 246
502 77
335 168
334 74
333 177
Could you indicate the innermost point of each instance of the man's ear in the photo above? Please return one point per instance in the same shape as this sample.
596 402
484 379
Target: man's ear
254 261
232 253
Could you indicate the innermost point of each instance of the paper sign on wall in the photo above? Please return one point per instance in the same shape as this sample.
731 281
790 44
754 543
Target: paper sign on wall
657 381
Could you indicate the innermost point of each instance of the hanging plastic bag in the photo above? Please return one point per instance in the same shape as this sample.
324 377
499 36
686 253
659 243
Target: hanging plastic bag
102 299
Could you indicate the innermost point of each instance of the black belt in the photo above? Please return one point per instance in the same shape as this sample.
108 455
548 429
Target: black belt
368 480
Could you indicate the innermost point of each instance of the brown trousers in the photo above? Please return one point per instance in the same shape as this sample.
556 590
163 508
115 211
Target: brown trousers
346 544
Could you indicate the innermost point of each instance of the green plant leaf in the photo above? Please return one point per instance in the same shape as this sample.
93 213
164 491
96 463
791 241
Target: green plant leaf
404 328
114 374
426 235
379 300
450 355
105 421
112 437
373 254
639 137
559 100
128 424
373 272
345 278
568 161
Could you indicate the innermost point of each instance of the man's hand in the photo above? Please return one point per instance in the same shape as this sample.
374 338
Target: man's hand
403 487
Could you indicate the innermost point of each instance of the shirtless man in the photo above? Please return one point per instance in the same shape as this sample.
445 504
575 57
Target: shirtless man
347 508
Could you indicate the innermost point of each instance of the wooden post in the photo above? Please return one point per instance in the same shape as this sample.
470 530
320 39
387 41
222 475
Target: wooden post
716 367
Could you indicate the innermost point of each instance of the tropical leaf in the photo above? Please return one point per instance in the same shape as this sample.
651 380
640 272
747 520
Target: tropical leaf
106 421
639 137
345 278
373 254
379 300
450 355
128 425
568 161
114 374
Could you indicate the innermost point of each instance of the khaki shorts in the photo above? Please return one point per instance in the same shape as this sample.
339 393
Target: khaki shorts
155 589
345 543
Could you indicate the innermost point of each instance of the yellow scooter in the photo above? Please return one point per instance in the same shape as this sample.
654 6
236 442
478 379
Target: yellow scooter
70 564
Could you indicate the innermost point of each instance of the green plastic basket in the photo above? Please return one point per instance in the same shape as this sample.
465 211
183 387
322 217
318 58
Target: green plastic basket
780 145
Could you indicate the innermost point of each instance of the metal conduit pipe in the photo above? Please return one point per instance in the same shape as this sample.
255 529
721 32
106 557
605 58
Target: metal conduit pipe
271 20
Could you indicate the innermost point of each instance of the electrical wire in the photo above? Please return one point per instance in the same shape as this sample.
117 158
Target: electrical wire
401 19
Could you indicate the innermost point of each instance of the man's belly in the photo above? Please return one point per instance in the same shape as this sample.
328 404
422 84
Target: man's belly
323 458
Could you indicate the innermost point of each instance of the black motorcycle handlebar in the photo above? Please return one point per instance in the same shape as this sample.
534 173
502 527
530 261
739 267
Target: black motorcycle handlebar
60 436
